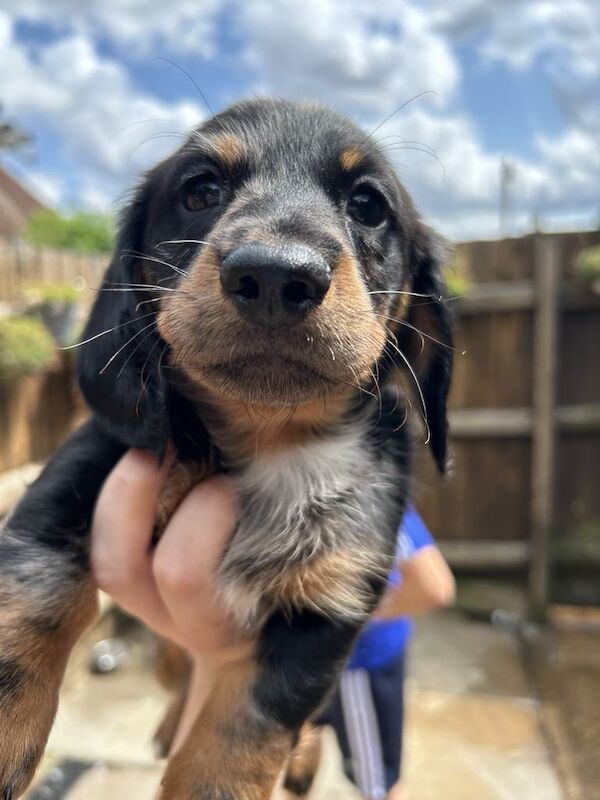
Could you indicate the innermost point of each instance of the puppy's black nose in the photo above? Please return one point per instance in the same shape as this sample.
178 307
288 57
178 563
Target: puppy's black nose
275 285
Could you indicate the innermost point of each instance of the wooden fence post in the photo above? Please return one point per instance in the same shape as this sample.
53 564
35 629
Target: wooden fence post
543 444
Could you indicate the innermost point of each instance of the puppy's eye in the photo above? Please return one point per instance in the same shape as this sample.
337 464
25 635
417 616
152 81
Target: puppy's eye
202 192
367 206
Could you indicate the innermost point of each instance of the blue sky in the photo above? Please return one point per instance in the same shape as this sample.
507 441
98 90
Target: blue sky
512 79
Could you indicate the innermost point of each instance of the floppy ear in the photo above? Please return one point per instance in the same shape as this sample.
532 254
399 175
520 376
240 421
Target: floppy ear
430 315
121 341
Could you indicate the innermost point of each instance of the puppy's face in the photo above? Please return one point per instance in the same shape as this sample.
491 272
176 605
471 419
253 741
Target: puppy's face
286 231
275 256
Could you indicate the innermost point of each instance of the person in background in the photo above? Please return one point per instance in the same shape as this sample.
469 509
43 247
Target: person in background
367 710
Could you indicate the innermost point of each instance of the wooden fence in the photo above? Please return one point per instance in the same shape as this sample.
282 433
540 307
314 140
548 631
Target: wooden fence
21 264
525 405
525 411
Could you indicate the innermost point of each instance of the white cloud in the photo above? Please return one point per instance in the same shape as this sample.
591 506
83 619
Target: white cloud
356 56
90 102
144 27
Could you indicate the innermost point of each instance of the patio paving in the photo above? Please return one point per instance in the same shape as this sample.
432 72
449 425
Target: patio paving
473 727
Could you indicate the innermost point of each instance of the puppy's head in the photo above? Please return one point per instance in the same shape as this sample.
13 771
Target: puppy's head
273 261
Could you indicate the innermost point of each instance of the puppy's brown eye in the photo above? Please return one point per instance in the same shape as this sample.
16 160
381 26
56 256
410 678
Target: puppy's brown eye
202 192
367 206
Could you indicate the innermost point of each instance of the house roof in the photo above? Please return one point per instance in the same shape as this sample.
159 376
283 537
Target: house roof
17 204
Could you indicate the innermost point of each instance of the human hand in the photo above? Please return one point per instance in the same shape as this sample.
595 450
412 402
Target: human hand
171 587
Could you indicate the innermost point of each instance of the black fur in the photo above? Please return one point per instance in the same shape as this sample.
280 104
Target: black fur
11 678
287 184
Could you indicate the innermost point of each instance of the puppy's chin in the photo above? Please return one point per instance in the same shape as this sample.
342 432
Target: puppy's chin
272 381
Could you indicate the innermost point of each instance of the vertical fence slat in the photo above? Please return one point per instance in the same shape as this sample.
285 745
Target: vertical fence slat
547 276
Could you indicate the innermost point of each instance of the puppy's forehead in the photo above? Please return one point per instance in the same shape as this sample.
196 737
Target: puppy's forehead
272 134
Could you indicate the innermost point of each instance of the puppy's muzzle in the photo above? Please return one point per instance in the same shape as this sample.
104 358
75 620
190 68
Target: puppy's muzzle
275 285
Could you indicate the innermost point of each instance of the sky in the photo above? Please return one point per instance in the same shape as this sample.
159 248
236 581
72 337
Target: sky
102 88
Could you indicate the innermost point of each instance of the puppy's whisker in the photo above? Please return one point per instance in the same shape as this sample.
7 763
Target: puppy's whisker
144 257
422 334
399 291
134 351
152 300
108 330
127 343
145 364
148 291
186 241
418 386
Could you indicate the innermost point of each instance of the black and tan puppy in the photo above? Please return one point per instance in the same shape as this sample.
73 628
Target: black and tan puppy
259 312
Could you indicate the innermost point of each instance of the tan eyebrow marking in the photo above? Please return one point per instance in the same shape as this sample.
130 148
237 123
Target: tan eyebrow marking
350 158
227 149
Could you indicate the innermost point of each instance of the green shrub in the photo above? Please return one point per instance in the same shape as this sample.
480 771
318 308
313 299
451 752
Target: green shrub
25 345
55 293
84 233
457 277
588 264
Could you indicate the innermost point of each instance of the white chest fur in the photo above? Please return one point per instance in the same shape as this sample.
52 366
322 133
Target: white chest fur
309 525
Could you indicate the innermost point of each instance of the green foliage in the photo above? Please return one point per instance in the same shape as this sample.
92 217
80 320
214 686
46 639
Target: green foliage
588 263
84 233
25 345
457 278
55 293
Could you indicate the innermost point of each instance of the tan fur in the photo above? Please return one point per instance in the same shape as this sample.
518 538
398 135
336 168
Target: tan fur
217 758
334 583
347 335
350 158
172 667
304 760
227 149
181 479
26 718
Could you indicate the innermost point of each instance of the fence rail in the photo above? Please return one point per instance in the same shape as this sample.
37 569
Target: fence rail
22 264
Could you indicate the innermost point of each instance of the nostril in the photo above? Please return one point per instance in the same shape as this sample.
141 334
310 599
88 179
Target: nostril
248 288
295 293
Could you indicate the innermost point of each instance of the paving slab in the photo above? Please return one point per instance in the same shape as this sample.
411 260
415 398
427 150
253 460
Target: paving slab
473 728
455 654
476 746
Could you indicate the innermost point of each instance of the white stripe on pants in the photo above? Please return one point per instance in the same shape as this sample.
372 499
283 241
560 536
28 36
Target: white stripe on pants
360 721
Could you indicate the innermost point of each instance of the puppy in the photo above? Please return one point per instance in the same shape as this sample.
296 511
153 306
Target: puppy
272 286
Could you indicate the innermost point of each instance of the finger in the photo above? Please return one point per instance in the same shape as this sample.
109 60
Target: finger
122 533
187 558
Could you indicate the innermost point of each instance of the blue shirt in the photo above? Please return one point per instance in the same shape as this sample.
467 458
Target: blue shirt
383 640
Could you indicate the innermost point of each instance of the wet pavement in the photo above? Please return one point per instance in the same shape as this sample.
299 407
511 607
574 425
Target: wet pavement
483 722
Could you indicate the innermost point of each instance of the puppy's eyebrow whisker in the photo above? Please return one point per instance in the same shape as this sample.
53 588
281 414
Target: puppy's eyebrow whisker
390 148
190 78
108 330
401 140
399 109
155 136
144 257
127 343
